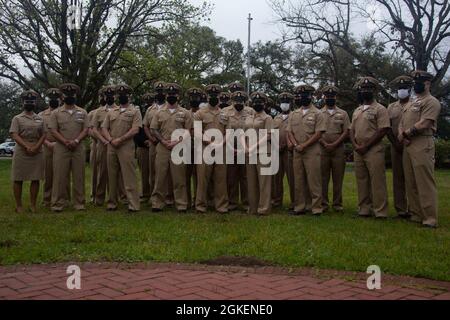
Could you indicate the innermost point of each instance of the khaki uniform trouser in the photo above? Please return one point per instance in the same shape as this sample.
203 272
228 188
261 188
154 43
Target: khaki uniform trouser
65 163
398 175
286 168
191 174
308 180
237 185
419 161
211 176
93 165
143 157
102 179
333 167
48 181
370 174
165 166
121 162
259 190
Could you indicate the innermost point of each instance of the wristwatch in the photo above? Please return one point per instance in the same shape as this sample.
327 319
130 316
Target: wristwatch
77 141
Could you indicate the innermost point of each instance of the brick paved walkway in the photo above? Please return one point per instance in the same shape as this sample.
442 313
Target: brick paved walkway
193 282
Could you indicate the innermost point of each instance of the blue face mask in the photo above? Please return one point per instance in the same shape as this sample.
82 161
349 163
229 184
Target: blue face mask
403 93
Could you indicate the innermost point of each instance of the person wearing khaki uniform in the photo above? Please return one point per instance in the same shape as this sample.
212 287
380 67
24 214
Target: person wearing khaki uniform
333 152
143 153
286 156
370 124
28 131
170 118
237 186
49 144
194 96
403 85
160 97
416 130
93 151
69 125
259 185
305 128
102 186
119 127
216 174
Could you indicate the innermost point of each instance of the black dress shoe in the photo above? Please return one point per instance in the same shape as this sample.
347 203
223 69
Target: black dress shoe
297 213
156 210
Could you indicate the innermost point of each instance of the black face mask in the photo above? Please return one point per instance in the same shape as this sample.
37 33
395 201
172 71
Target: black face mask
29 107
194 104
298 102
367 96
161 98
102 102
223 105
213 101
123 99
419 87
69 101
110 100
359 98
239 106
150 102
172 100
53 103
258 107
330 102
306 101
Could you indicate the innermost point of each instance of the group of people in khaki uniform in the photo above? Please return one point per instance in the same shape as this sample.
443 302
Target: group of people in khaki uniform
311 149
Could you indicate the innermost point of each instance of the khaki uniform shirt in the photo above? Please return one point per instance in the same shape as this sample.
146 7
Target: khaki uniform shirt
424 108
336 124
150 113
46 117
260 121
167 121
235 119
304 126
367 122
395 111
212 118
119 121
100 115
280 122
69 122
29 127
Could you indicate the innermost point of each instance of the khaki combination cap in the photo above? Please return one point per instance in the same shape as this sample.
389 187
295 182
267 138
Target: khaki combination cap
235 86
173 88
330 90
239 94
53 93
148 96
420 75
69 89
29 95
304 88
368 83
195 92
159 86
259 96
123 89
286 96
402 81
109 90
213 89
225 96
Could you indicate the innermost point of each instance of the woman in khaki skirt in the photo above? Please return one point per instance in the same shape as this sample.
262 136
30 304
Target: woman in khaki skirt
27 129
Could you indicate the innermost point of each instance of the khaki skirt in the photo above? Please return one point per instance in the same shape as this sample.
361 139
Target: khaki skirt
27 168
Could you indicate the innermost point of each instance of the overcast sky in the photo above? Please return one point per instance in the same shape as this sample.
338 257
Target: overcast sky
229 19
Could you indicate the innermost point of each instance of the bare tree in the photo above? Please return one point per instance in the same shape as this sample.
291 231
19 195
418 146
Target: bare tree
36 41
421 29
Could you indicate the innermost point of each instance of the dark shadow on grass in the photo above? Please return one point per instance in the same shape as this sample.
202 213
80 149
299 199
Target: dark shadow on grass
237 261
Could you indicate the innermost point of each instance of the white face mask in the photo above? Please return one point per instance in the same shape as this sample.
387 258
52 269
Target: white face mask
285 107
403 93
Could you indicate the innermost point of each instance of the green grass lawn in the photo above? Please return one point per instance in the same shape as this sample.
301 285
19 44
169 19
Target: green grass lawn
334 241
